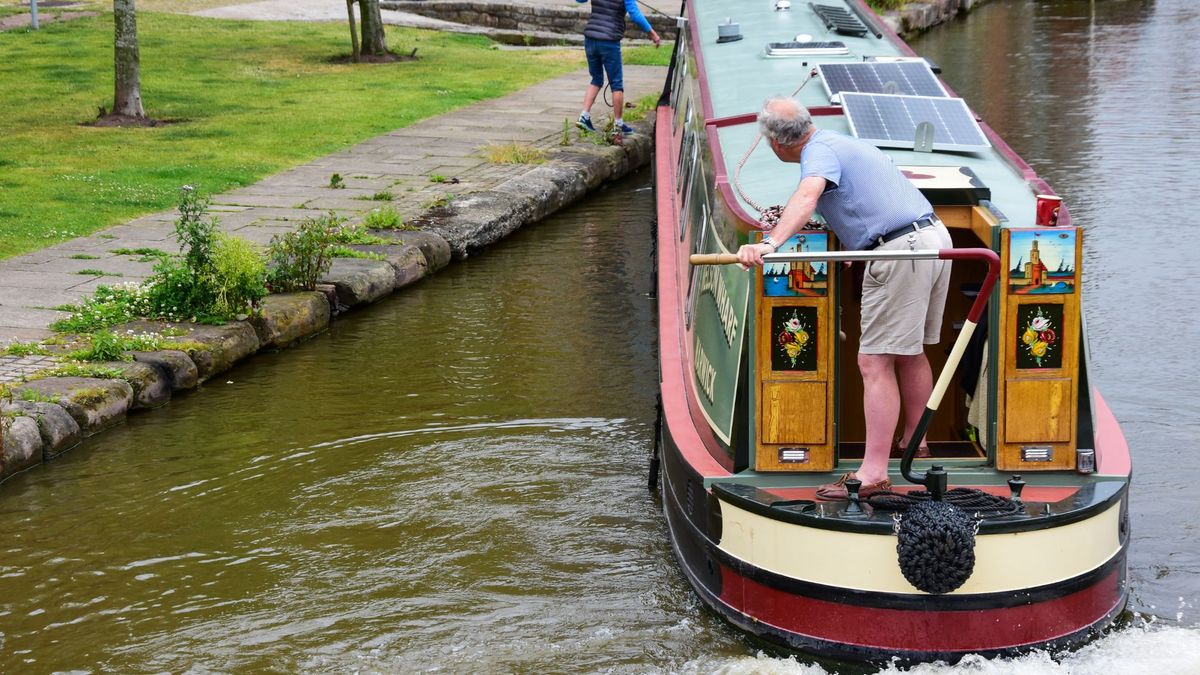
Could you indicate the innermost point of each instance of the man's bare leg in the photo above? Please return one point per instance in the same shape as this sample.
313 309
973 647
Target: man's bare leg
618 105
916 384
881 406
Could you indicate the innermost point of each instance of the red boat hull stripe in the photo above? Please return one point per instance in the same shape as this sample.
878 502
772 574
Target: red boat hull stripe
927 631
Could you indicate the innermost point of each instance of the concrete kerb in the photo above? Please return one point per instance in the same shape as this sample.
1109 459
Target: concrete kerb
67 409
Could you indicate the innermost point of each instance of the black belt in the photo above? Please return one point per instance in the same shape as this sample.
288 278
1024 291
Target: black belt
905 229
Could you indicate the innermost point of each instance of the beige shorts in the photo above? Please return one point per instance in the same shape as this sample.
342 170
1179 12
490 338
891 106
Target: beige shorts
903 300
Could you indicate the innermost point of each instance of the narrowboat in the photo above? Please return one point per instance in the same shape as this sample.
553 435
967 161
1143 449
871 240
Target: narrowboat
753 420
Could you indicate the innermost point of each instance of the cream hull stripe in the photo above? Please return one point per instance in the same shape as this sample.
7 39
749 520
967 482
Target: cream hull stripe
867 562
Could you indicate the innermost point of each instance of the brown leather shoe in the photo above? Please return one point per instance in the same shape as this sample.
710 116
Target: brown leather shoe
836 491
923 451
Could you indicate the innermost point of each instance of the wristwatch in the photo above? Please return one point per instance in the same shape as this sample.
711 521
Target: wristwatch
769 242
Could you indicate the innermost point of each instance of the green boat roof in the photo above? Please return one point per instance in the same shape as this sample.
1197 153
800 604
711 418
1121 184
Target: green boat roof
740 77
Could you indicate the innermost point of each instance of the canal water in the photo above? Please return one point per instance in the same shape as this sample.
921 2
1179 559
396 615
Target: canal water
453 480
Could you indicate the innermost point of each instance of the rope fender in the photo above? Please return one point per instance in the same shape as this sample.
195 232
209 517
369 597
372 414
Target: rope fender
936 546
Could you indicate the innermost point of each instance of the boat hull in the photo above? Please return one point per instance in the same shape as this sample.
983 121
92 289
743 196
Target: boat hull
848 624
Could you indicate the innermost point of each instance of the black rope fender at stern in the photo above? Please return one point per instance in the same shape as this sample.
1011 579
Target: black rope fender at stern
935 545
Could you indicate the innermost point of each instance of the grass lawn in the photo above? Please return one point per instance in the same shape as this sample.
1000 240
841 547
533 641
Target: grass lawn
256 96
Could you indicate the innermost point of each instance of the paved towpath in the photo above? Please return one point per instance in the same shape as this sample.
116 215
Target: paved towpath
401 162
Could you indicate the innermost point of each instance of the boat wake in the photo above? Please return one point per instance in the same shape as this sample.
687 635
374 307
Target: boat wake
1149 649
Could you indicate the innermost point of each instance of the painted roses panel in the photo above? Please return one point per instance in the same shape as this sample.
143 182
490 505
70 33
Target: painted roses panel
1039 336
794 338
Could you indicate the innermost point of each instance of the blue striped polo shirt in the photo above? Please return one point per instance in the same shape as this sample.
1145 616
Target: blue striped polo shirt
866 196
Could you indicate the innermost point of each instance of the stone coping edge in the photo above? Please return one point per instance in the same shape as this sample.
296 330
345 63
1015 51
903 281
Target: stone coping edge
66 410
917 16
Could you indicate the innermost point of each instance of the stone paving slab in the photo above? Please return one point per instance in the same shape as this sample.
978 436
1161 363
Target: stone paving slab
13 368
400 161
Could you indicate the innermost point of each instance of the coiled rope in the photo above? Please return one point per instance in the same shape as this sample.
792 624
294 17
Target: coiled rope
768 215
976 502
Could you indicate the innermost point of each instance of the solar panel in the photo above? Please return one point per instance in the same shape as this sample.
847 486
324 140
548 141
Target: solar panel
913 78
889 121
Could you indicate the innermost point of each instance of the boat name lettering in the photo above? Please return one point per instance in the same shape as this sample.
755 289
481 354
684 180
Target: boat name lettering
706 373
713 283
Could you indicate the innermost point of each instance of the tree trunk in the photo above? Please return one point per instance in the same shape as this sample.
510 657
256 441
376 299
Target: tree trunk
373 41
128 97
353 30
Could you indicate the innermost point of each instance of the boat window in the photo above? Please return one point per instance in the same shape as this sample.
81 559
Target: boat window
699 245
681 70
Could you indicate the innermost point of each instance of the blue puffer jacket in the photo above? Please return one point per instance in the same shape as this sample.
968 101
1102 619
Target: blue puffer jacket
608 19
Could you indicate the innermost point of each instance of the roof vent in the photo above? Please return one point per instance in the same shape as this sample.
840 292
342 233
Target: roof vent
728 31
838 20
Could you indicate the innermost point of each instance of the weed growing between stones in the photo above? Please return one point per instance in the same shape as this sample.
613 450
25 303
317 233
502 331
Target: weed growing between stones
80 370
108 306
35 396
26 349
297 260
437 178
84 256
513 153
106 346
93 272
89 396
336 182
439 202
342 251
566 136
638 111
381 196
385 218
144 254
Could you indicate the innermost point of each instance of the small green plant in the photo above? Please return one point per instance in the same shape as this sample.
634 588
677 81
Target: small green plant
144 254
381 196
343 251
437 178
297 260
87 396
239 276
439 202
84 256
336 182
104 347
107 236
384 218
513 153
643 107
107 346
35 396
80 370
26 349
108 306
566 136
93 272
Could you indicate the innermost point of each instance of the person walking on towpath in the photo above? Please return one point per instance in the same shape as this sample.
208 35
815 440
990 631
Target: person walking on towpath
602 44
869 205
